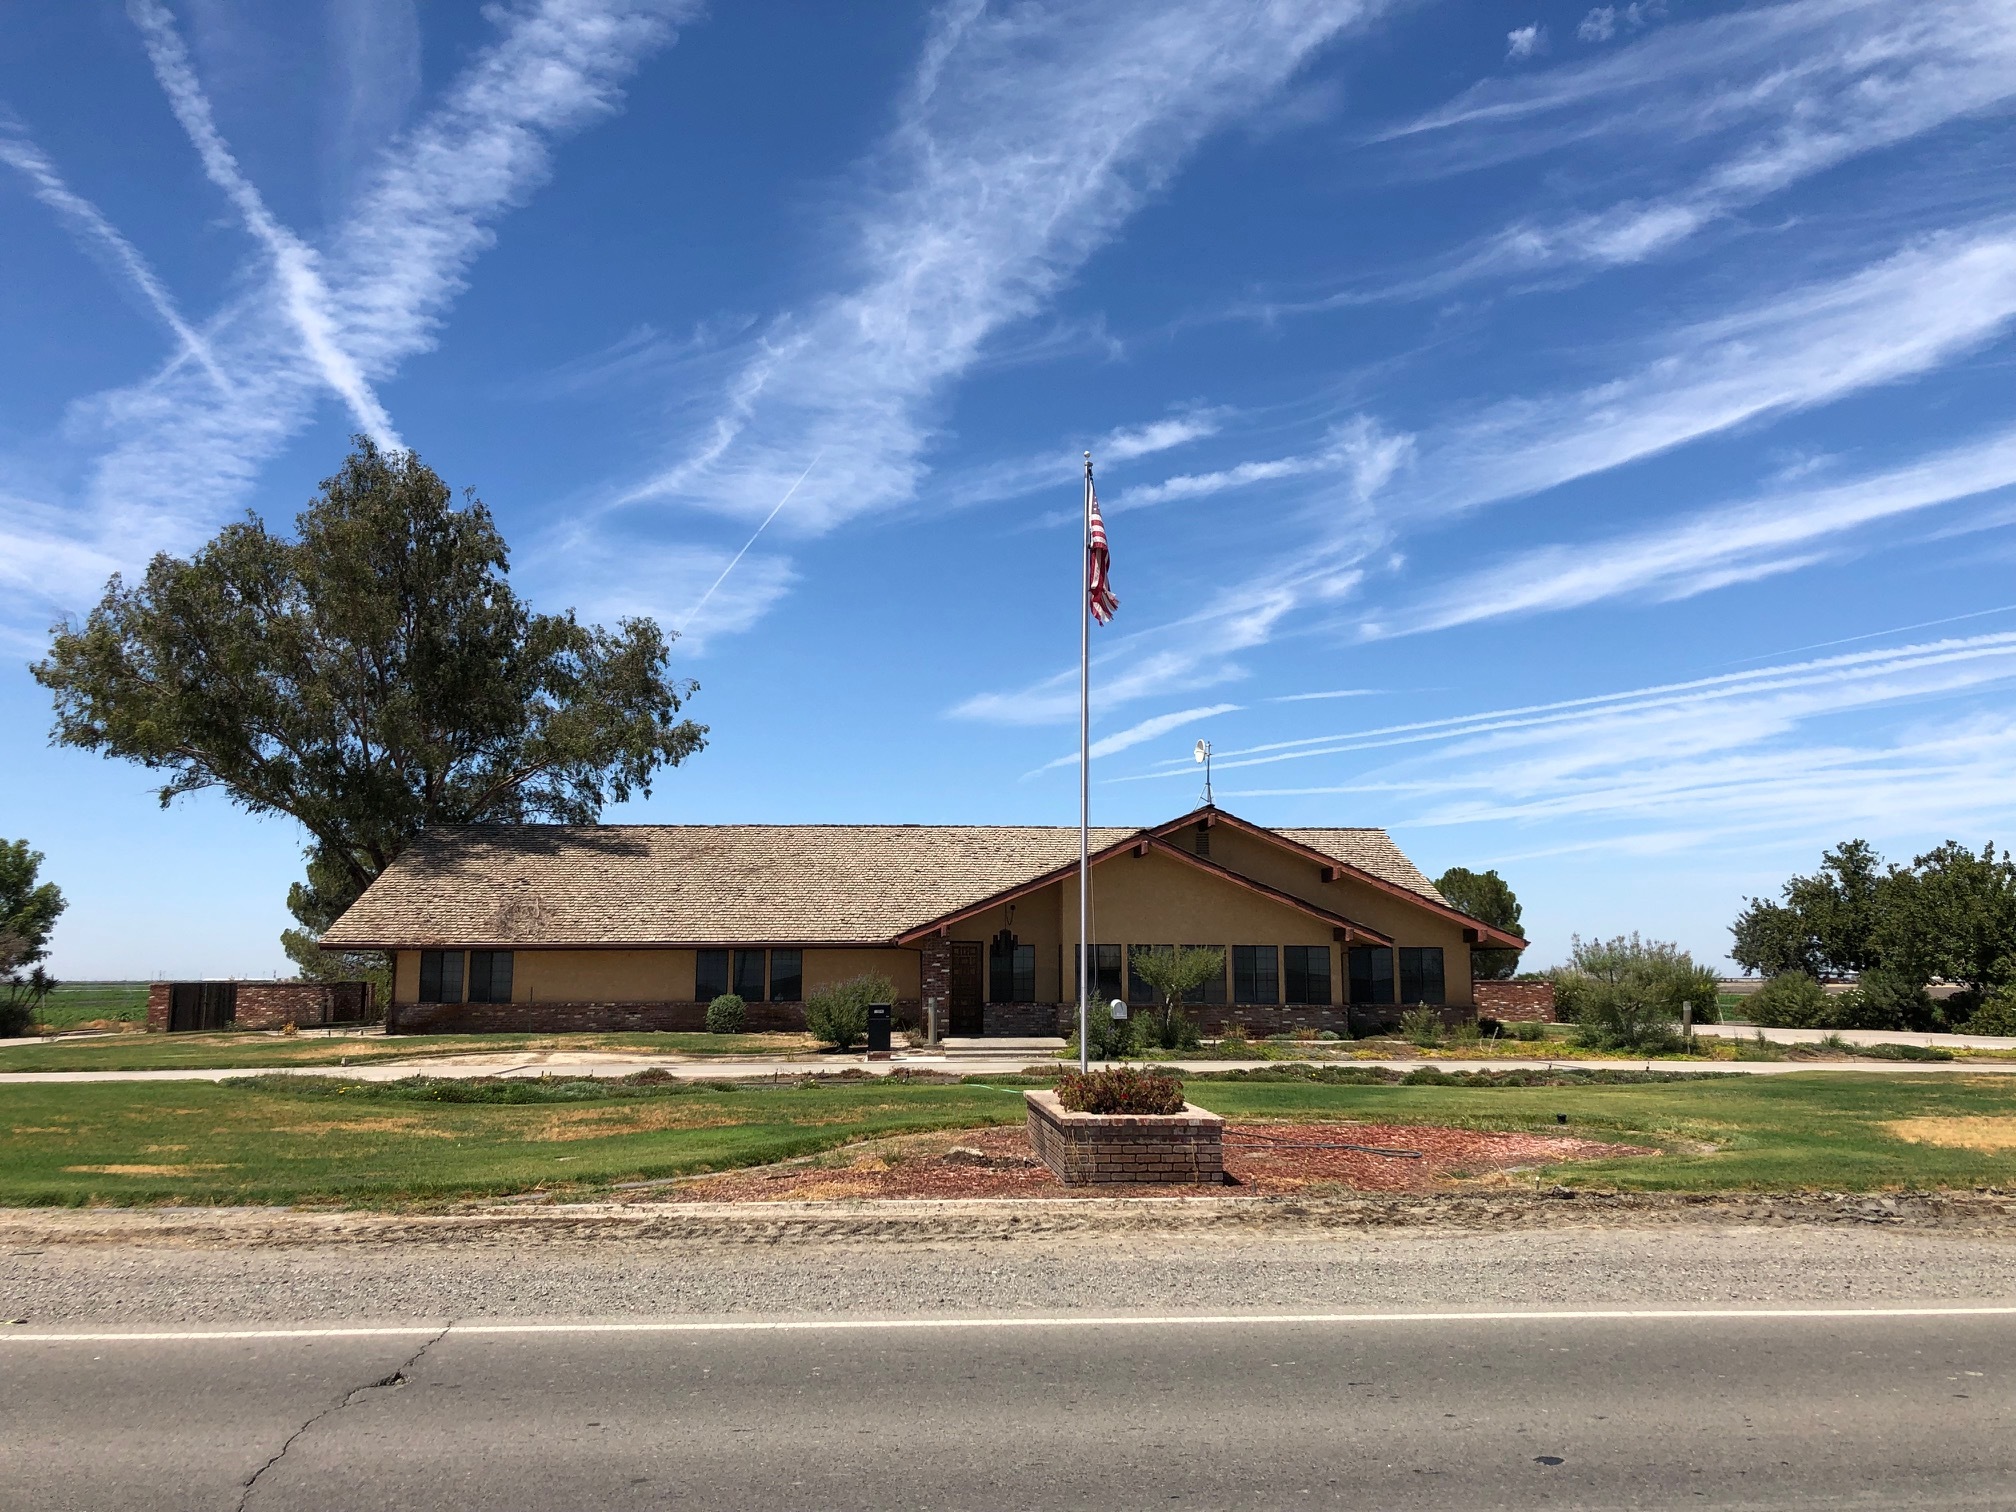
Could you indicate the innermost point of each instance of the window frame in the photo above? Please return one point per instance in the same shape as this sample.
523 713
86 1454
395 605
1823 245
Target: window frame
1391 980
440 962
1417 972
483 967
1295 968
1017 965
787 976
702 960
1255 953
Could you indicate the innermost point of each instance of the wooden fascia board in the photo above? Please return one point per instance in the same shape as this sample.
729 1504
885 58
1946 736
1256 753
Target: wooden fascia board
1335 869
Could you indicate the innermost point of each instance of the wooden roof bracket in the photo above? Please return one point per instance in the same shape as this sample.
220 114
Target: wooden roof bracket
1332 873
1141 850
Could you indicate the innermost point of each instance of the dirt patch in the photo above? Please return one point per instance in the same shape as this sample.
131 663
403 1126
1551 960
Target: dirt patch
145 1170
1260 1160
1990 1134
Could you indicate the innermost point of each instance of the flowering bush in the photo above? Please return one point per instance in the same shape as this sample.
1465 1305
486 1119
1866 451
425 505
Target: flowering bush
1123 1089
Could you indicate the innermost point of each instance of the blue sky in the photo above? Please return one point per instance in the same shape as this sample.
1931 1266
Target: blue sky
1576 439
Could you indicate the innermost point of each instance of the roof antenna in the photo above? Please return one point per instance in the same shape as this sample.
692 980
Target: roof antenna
1204 760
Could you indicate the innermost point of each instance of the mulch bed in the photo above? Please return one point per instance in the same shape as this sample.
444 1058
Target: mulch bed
1260 1159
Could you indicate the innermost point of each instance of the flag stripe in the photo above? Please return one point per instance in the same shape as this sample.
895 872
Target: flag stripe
1098 584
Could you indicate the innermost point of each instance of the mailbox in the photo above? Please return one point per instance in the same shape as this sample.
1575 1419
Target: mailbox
879 1015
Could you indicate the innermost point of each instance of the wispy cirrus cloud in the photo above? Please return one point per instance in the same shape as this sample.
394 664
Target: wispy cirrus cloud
1028 137
1140 734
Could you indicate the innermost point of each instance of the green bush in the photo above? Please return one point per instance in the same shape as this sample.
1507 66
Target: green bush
1122 1089
838 1015
1634 1014
726 1014
1108 1038
1526 1029
1882 1000
1996 1015
1170 1029
1422 1026
1328 1035
1792 1000
1657 977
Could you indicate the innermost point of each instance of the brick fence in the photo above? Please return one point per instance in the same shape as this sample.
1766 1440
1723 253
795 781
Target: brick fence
274 1005
1515 1000
1086 1149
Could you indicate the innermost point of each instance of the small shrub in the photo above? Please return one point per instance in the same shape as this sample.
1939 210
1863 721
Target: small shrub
1422 1026
1108 1038
1527 1029
1466 1033
1172 1030
838 1015
1791 1000
1901 1052
727 1014
1632 1014
1329 1036
290 1030
1996 1015
1233 1037
1489 1027
1882 1000
1122 1089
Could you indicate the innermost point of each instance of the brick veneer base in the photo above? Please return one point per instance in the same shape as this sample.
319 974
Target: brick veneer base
1088 1149
1515 1000
562 1018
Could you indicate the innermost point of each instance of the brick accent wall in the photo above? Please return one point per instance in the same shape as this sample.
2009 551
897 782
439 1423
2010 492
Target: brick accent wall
1110 1149
934 978
1025 1020
1515 1000
274 1005
157 1007
564 1018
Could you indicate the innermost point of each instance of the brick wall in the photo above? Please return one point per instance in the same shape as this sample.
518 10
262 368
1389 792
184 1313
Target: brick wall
1110 1149
1515 1000
1026 1020
564 1018
157 1007
934 982
267 1005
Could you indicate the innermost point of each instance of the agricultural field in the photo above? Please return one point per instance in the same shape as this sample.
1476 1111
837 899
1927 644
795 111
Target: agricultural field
94 1005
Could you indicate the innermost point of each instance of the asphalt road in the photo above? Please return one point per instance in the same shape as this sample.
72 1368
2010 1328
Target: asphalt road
1850 1410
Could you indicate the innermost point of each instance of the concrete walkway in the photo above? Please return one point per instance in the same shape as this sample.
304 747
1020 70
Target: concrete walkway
1860 1037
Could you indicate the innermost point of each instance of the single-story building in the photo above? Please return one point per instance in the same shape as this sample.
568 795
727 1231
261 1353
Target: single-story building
546 927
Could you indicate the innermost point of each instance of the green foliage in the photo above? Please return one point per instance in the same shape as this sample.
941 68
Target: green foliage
727 1014
29 910
1826 923
838 1015
1120 1089
1486 896
1173 974
1884 1000
1526 1029
1951 914
1997 1013
1422 1026
1626 993
1171 1029
1792 1000
1109 1038
370 677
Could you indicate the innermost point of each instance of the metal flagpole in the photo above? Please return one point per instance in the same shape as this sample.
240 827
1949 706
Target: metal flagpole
1085 781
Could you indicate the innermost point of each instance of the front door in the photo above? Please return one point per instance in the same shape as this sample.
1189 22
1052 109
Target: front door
968 1013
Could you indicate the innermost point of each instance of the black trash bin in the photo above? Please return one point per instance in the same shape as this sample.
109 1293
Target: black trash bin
879 1015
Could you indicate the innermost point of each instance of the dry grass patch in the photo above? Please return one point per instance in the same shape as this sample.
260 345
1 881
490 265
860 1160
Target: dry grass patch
1991 1134
144 1170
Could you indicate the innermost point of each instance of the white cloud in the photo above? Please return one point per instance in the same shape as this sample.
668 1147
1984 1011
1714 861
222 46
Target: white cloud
1146 730
1029 136
1062 469
1361 450
1600 25
1525 42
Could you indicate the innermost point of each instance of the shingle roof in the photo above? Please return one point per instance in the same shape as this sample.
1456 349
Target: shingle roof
722 884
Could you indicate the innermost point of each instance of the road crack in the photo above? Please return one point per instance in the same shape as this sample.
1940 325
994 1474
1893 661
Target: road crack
397 1378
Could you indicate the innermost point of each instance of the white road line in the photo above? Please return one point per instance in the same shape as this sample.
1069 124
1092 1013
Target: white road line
1169 1320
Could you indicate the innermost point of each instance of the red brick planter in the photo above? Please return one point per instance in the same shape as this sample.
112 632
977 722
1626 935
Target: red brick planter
1085 1149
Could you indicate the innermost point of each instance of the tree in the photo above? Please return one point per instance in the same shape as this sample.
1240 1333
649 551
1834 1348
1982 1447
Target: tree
1826 924
1485 896
28 913
370 677
1627 992
1951 914
1173 975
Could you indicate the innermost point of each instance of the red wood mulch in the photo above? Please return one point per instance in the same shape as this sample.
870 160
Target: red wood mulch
1260 1159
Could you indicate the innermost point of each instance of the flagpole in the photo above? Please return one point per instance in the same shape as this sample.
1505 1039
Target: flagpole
1085 781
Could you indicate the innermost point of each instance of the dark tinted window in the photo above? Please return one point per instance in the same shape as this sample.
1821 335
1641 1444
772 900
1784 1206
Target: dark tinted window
1371 974
749 976
1256 974
787 976
489 976
710 974
1421 974
1213 990
440 976
1307 969
1013 973
1107 972
1138 991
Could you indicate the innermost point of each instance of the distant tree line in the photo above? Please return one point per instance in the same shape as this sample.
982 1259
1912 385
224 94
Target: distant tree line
1949 916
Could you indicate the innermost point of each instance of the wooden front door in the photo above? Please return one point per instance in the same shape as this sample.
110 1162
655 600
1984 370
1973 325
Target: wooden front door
968 1013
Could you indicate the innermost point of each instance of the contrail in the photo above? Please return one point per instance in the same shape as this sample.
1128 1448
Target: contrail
694 612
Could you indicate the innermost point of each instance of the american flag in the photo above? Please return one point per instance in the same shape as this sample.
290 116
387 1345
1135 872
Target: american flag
1098 566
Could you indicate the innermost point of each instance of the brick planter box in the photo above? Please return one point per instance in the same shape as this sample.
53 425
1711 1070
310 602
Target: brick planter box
1086 1149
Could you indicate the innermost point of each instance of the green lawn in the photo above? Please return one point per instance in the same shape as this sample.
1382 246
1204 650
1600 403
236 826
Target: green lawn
325 1141
254 1051
73 1004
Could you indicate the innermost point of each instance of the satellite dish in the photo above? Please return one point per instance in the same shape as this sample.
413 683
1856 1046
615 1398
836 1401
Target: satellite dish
1203 752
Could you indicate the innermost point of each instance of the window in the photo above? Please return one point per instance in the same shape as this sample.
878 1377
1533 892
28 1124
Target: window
1371 974
749 976
787 976
1256 974
1107 972
1139 992
710 974
1308 973
1213 989
440 976
489 976
1012 969
1421 974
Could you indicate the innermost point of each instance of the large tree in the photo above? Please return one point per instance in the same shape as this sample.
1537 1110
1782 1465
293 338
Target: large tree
371 676
1486 896
1826 923
1951 915
28 912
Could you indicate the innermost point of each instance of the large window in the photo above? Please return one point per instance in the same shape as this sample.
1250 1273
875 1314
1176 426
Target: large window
1212 992
1371 974
787 976
1108 972
710 974
749 983
1139 992
489 976
1256 974
1308 973
440 976
1421 974
1011 973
